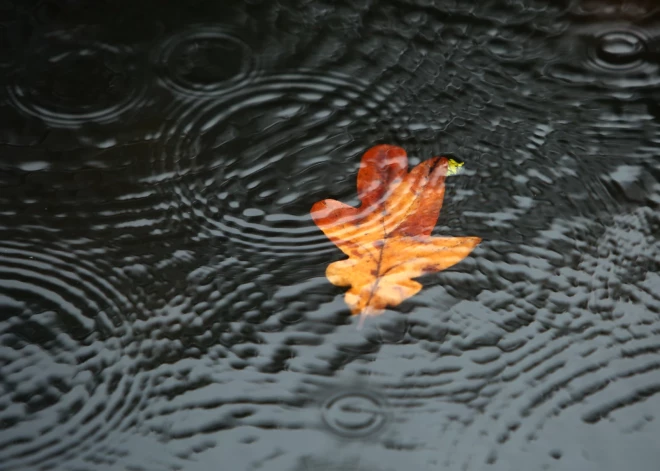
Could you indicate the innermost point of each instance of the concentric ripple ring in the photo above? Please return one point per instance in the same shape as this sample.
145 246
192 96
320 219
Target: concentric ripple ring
354 413
203 62
73 81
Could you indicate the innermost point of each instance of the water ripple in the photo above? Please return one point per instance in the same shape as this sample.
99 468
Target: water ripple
204 61
616 55
66 331
239 176
69 81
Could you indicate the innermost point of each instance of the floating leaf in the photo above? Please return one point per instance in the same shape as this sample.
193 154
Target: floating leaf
388 237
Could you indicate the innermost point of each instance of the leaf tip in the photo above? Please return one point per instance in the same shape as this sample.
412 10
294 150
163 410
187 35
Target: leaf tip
454 167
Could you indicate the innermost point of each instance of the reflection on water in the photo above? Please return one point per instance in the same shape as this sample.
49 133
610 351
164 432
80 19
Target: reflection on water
163 296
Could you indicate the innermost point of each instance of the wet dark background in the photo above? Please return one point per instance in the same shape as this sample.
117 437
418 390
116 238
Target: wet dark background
163 304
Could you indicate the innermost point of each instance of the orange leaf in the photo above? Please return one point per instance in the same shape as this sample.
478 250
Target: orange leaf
388 237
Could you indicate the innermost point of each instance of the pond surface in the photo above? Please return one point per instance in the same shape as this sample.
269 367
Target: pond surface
163 299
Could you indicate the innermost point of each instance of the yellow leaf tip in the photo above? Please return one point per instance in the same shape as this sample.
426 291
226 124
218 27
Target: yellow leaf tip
454 167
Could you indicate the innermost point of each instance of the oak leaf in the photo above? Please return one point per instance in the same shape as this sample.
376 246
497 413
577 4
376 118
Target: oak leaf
388 237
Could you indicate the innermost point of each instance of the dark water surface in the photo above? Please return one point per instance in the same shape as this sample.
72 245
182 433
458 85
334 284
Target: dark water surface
163 304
